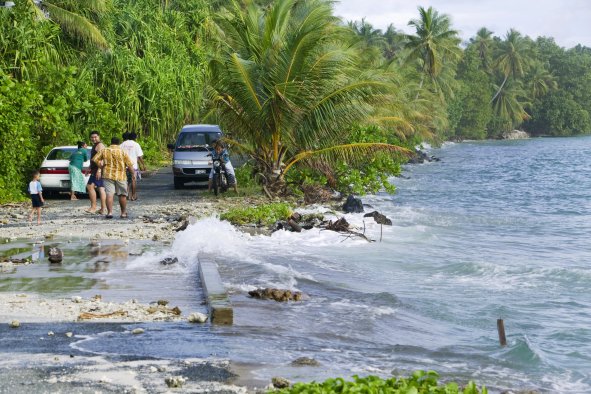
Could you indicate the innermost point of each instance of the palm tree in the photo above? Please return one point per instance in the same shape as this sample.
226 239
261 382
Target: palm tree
484 44
68 15
540 80
434 43
370 36
513 58
394 42
288 87
510 103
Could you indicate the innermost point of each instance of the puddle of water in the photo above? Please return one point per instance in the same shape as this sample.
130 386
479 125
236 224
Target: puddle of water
118 271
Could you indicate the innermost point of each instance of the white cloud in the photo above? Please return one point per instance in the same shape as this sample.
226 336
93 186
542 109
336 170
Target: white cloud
567 20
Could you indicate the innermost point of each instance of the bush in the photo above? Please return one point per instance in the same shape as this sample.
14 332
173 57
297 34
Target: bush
262 215
419 382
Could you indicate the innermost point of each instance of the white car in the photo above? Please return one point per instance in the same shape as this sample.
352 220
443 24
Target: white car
54 169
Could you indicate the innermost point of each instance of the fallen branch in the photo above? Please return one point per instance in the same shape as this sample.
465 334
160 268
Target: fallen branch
89 315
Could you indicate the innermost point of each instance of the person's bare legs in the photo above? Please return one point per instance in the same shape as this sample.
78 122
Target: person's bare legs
38 215
73 195
92 198
103 198
110 198
31 215
133 191
123 205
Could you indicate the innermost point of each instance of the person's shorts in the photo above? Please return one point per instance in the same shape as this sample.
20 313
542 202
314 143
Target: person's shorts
96 182
118 188
36 200
138 176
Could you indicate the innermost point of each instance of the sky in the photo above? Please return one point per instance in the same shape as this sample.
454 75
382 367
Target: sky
568 21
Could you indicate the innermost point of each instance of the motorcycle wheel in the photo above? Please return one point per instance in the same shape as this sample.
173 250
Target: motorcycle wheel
223 183
216 184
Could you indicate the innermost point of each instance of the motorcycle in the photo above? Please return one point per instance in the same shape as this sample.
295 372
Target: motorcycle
220 179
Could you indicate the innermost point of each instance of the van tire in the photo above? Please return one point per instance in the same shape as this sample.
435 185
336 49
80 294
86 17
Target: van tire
178 183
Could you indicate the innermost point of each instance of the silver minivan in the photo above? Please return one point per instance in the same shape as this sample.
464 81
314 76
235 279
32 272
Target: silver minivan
189 153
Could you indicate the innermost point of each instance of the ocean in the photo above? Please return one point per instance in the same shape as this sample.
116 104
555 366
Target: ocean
495 229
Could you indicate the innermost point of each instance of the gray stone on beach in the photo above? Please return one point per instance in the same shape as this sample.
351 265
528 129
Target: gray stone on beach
55 255
69 334
137 331
305 361
280 383
15 324
175 381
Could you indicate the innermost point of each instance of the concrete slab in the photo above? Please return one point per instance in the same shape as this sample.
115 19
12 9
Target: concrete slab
218 301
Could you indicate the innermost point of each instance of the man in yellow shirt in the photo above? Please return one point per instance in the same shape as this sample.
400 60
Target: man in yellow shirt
113 163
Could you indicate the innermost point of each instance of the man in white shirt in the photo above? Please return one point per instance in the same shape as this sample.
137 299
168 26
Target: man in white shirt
135 153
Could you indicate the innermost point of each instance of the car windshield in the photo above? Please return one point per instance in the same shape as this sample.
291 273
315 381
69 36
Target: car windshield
63 153
196 140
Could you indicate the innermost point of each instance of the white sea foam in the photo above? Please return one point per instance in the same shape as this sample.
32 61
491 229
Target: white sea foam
372 311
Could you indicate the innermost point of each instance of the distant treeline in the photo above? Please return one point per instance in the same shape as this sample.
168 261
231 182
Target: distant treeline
120 65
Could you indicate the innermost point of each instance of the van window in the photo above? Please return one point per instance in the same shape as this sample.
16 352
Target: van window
196 140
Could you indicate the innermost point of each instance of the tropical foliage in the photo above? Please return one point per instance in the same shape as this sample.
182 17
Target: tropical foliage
312 98
418 382
288 86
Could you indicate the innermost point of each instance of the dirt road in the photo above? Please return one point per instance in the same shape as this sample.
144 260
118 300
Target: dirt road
158 212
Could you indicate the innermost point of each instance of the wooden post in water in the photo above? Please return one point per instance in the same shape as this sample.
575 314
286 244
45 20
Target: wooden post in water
501 330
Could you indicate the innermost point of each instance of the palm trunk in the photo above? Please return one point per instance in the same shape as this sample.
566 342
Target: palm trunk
500 88
420 86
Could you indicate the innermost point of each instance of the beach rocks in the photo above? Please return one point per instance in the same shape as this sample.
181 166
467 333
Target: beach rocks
169 260
137 331
280 383
15 324
515 135
175 381
276 294
55 255
197 317
420 157
379 218
339 225
305 361
162 302
353 205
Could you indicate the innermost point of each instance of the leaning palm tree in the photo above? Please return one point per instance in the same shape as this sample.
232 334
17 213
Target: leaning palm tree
510 103
67 14
287 87
513 58
434 43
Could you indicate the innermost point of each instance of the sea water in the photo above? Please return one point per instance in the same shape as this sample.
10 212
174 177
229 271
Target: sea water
493 230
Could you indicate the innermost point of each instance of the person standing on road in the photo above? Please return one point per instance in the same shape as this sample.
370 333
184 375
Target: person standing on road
135 153
35 190
77 181
113 161
93 181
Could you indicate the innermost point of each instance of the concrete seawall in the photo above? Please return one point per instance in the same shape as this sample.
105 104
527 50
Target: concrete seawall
218 301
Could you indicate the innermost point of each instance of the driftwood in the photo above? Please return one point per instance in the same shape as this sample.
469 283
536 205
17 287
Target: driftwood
342 226
89 315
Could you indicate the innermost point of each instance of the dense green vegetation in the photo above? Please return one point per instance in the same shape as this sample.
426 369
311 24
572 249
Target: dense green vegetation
310 98
419 382
265 215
